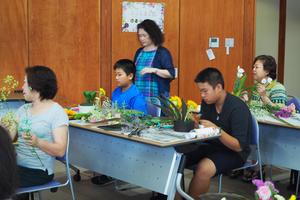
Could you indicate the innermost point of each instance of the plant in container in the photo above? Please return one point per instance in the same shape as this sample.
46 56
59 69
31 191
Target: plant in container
88 105
178 111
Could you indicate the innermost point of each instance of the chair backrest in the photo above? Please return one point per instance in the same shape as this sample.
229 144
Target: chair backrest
255 131
152 109
295 101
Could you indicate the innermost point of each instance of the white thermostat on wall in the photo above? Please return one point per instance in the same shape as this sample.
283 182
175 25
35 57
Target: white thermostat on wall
213 42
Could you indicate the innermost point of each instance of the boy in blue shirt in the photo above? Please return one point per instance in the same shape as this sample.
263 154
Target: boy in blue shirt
127 95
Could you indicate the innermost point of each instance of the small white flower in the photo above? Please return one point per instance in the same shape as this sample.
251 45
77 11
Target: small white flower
266 80
269 80
224 198
279 197
240 72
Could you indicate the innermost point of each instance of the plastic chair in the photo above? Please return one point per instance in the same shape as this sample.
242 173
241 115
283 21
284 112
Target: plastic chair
54 184
255 153
153 110
294 100
296 173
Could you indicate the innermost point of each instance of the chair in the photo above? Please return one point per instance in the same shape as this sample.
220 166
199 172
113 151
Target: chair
295 175
255 153
152 109
295 101
54 184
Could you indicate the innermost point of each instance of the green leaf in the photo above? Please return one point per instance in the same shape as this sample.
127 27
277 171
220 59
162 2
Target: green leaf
89 96
184 110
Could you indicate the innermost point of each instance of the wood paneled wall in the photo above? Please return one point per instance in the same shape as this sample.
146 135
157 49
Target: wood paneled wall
81 40
202 19
125 44
65 36
13 38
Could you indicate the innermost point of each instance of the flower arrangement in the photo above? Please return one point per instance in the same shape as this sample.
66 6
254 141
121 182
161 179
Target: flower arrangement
89 97
286 111
9 84
239 83
8 120
178 111
176 108
102 101
267 191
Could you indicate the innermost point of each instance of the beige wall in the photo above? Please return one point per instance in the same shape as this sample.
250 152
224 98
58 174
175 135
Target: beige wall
292 48
267 23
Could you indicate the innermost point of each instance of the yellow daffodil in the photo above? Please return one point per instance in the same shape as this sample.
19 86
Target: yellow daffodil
102 92
192 105
293 197
177 101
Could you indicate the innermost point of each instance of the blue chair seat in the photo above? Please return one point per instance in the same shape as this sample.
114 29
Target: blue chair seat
51 184
54 183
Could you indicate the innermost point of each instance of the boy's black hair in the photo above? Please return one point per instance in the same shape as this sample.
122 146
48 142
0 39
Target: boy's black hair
153 30
210 75
127 66
43 80
269 64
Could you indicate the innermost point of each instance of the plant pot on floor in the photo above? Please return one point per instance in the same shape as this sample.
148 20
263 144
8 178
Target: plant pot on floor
183 126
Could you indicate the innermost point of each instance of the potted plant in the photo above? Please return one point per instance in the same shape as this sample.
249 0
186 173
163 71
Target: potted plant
88 105
179 113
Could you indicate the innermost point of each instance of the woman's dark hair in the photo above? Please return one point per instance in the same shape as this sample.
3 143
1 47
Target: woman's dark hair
43 80
269 64
8 165
153 30
127 66
210 75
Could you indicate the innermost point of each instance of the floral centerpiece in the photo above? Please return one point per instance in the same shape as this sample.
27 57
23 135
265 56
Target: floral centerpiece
180 112
8 120
267 191
278 112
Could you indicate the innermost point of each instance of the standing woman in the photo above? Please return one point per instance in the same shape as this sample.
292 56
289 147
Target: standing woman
155 69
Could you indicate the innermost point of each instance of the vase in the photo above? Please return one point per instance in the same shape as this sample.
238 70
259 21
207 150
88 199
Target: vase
183 126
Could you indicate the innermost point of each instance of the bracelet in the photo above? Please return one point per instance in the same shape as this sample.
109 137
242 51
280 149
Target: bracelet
220 130
155 71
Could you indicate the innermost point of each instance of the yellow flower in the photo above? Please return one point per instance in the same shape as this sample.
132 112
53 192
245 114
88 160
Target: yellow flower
9 84
176 101
102 92
293 197
192 105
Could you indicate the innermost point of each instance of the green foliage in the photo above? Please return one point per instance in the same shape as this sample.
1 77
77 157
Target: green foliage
171 110
89 97
239 86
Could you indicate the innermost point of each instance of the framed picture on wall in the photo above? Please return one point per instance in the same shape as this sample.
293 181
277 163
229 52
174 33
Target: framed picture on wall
135 12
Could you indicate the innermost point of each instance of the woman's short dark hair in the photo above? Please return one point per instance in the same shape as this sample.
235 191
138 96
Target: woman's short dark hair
269 64
153 30
43 80
8 165
210 75
127 66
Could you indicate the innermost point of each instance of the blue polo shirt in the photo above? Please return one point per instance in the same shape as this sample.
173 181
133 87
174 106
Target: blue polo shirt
131 99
